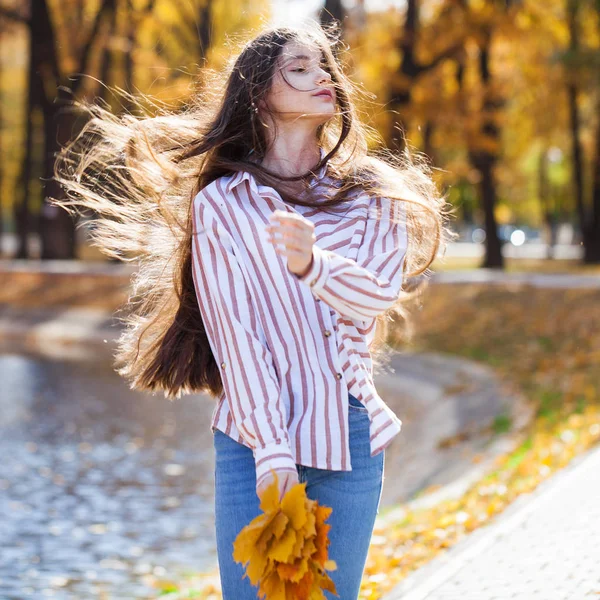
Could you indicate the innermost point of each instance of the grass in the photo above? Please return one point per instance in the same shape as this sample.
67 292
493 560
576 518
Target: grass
502 424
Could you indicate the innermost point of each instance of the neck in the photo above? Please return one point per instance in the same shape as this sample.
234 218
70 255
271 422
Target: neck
293 152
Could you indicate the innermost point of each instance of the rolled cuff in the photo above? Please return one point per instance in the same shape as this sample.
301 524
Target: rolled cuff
318 272
275 456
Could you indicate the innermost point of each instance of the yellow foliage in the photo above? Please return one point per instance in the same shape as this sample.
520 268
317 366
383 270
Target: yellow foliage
285 549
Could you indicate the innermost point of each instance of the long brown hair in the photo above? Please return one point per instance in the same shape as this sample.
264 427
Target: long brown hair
139 174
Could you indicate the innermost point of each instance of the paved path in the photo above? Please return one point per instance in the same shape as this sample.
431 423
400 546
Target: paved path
543 280
546 545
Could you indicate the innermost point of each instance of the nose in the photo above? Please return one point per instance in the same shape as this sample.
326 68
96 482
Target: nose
323 77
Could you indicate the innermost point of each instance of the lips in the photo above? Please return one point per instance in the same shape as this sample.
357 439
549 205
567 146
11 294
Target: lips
325 93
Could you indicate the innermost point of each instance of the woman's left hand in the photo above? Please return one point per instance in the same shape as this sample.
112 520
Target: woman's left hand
293 236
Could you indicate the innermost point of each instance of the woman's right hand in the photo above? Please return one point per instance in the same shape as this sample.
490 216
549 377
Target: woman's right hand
286 479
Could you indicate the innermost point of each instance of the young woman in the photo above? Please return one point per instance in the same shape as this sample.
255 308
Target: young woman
271 250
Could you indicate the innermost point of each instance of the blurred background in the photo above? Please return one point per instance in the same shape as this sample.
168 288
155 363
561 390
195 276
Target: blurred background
106 492
502 96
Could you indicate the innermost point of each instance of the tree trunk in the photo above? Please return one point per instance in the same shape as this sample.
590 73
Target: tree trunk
400 96
107 66
428 131
493 248
1 155
57 228
410 69
22 213
333 12
205 27
548 209
575 121
485 160
589 220
591 241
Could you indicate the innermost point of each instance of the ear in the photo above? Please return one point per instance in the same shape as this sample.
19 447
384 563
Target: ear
263 104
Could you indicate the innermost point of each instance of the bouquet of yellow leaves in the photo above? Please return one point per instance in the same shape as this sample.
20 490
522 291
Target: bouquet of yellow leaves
284 549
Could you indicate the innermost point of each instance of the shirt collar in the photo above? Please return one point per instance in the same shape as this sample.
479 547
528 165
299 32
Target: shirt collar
239 176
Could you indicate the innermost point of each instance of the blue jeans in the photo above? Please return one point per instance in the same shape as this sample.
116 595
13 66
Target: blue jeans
353 495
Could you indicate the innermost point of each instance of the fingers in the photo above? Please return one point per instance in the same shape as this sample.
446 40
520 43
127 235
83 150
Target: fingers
302 246
295 219
292 222
292 231
282 235
286 483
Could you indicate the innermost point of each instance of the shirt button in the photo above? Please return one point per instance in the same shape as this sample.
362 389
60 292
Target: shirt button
223 365
338 375
318 299
327 333
313 282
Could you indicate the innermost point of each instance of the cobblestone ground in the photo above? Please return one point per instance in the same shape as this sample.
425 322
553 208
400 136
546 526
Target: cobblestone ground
545 547
99 485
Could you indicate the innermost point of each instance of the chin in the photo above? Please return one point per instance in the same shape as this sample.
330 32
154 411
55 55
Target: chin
327 117
323 115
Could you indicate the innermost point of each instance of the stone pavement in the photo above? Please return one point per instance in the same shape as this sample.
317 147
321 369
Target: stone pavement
545 545
543 280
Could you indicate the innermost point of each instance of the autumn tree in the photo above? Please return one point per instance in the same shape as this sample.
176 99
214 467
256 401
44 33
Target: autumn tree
592 247
125 43
578 61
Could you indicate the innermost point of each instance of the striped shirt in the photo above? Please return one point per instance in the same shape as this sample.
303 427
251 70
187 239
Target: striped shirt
290 349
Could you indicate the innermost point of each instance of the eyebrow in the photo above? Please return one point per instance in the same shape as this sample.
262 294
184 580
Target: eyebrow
301 57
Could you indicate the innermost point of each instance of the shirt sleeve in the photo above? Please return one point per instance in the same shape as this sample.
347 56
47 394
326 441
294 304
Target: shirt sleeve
245 362
365 287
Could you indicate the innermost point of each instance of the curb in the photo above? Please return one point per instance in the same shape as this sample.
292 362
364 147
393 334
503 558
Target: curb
542 280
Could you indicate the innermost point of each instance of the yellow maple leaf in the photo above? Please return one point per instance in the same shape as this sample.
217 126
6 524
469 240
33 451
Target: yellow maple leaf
294 505
273 587
269 501
268 534
285 549
249 536
293 572
281 550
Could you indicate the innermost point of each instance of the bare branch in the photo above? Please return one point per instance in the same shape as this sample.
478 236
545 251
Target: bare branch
450 52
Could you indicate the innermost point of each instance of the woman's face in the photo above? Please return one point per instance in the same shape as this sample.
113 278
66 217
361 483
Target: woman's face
301 87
